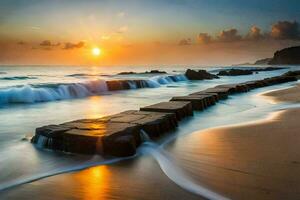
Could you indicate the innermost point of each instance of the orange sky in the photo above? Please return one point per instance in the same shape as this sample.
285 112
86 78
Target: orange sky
144 32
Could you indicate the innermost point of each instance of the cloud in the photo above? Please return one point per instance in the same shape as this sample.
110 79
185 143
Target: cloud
21 43
204 38
230 35
285 30
254 34
122 29
69 45
48 43
281 30
121 14
105 37
185 42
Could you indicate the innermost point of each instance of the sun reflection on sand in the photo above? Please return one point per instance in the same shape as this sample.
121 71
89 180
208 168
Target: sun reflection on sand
95 182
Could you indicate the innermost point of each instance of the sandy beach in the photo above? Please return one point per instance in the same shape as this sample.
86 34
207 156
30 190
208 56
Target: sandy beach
258 160
287 95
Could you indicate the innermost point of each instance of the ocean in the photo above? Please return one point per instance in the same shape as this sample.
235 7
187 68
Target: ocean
33 96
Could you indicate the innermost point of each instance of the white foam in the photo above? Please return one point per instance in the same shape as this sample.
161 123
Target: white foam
176 174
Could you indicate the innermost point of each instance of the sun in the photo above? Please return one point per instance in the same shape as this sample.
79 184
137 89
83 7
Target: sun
96 51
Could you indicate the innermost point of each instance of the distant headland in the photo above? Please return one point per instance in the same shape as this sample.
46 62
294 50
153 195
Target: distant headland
287 56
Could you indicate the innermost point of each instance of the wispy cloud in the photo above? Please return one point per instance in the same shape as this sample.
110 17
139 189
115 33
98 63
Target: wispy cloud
122 29
185 42
69 45
121 14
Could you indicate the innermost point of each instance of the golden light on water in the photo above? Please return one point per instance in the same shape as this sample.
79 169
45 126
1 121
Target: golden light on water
96 51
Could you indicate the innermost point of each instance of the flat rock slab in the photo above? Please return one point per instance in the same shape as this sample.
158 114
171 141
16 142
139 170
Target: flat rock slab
235 88
117 135
222 92
199 102
182 109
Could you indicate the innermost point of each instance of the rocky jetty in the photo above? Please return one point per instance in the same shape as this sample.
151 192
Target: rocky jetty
120 134
199 75
235 72
240 72
287 56
146 72
181 109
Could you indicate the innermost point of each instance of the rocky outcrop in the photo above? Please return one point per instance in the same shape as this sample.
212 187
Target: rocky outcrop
235 72
287 56
264 61
117 135
240 72
146 72
120 134
199 75
182 109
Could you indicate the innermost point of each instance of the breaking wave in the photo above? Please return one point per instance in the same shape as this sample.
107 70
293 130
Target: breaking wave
17 78
62 91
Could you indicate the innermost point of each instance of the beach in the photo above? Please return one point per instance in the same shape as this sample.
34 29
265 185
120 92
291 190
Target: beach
242 148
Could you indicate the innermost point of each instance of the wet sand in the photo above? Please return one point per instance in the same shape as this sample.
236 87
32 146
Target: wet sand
258 160
287 95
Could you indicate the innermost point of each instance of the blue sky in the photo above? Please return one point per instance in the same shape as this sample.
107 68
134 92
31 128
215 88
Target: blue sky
129 22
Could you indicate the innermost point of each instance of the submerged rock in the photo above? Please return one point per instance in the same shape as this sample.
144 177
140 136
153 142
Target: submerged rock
146 72
199 75
235 72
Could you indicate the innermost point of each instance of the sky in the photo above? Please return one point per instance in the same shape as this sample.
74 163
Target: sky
142 32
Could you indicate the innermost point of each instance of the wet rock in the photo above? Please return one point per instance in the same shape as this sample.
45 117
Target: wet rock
235 88
222 92
146 72
199 102
182 109
234 72
117 135
199 75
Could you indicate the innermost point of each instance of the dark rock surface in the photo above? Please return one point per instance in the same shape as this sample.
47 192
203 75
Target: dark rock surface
263 61
116 135
120 134
182 109
235 72
240 72
287 56
199 75
146 72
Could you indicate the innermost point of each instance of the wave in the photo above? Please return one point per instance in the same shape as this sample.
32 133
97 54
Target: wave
60 170
61 91
17 78
176 174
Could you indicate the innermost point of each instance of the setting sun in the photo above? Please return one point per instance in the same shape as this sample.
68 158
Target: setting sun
96 51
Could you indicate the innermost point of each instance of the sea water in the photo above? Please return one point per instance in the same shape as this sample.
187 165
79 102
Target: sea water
32 96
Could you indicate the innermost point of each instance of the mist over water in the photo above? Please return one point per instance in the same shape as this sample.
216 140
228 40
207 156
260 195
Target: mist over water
89 98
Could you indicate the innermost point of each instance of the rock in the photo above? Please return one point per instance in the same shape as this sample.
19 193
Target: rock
199 75
154 123
287 56
117 135
293 73
267 69
182 109
155 72
199 102
121 146
146 72
235 88
264 61
235 72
